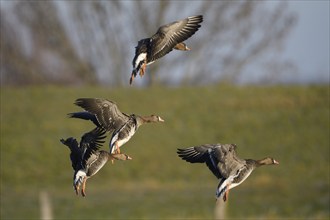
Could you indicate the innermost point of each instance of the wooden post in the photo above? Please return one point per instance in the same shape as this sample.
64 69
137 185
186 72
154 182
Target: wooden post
45 206
220 209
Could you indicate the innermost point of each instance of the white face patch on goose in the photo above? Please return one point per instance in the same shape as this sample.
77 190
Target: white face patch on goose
141 57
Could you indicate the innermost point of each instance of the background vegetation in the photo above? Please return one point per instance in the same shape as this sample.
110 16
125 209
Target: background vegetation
79 42
290 123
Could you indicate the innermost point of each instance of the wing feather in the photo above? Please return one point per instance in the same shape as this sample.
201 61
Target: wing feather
91 142
173 33
106 112
86 116
202 154
222 160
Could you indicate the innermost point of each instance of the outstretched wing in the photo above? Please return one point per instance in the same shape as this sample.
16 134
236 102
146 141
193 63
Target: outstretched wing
91 142
171 34
76 152
204 154
106 112
221 159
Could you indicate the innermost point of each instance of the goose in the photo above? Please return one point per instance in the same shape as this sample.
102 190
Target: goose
167 38
87 159
224 163
106 114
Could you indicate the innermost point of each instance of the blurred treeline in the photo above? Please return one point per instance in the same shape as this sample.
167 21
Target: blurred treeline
93 42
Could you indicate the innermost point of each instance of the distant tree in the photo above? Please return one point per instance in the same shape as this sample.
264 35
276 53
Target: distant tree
236 37
94 41
35 49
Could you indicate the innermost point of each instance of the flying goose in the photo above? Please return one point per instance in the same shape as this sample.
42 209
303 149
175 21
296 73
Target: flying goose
224 163
106 114
87 159
167 38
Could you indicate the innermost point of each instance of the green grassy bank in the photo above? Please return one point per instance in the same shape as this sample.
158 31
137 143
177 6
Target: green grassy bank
289 123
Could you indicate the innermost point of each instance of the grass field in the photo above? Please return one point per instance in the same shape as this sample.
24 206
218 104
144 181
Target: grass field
289 123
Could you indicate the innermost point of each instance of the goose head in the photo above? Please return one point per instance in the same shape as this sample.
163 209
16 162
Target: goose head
268 161
121 157
181 46
151 118
155 118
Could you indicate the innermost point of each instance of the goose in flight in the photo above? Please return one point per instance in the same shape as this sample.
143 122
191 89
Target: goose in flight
87 159
106 114
224 163
167 38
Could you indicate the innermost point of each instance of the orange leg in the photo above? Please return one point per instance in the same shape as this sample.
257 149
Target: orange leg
143 68
226 196
131 79
117 151
76 188
117 148
83 188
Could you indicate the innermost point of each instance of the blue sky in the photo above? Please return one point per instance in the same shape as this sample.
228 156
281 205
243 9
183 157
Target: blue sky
308 44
